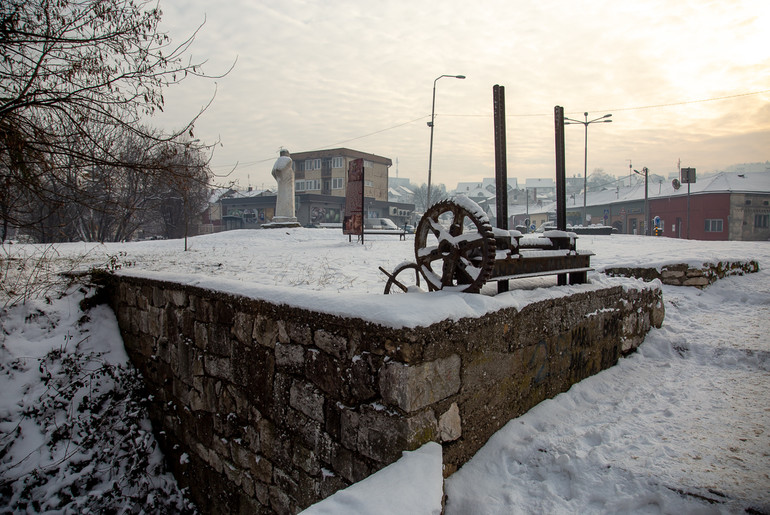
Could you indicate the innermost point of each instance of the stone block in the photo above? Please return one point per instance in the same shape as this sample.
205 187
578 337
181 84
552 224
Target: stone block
156 318
141 299
306 460
265 331
307 399
282 334
242 456
128 294
699 281
450 424
331 343
299 333
342 463
349 428
219 342
243 327
201 335
324 371
280 501
331 483
176 297
222 312
144 321
414 387
383 436
262 469
290 355
484 368
221 368
204 311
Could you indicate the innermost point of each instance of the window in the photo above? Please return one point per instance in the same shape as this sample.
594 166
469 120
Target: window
714 225
761 221
312 164
337 162
337 183
299 166
307 185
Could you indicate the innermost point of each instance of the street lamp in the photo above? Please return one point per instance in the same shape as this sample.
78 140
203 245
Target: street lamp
430 124
586 123
646 174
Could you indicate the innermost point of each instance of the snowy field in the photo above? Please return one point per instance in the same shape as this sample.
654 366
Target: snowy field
681 426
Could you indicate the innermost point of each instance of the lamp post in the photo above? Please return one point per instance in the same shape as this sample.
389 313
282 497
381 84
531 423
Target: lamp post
586 123
646 174
430 124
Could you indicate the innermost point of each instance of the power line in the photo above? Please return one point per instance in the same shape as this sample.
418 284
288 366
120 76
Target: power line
636 108
528 115
250 163
373 133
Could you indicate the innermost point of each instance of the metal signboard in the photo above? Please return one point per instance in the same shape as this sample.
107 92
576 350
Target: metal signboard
354 201
687 175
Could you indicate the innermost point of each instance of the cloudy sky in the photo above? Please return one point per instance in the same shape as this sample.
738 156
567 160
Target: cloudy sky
685 80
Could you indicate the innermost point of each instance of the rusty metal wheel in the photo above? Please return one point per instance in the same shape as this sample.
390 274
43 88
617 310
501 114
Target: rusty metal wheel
407 282
455 246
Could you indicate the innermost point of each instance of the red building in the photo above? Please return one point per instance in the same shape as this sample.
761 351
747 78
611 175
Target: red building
725 206
709 214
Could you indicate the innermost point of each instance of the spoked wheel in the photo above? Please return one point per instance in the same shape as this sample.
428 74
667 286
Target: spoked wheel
404 279
455 246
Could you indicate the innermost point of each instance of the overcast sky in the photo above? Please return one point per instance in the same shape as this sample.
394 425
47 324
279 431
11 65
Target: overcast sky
359 74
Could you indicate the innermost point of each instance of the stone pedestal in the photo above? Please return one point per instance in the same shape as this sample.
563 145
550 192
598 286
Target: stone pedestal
280 222
284 203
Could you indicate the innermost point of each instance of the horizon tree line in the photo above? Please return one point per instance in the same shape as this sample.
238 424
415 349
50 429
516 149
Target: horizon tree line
78 80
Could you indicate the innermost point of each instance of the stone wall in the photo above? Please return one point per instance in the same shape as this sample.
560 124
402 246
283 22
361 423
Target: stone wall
686 275
266 408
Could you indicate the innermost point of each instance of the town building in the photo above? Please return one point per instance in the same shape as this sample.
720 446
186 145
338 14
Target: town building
320 179
400 190
324 172
725 206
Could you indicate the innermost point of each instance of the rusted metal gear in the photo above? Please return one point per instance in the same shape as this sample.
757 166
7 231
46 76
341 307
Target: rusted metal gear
409 281
455 246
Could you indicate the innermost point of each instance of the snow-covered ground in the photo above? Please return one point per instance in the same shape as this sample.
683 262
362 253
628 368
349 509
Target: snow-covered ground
683 425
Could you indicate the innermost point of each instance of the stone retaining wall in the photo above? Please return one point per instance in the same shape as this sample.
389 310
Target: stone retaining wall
266 408
686 275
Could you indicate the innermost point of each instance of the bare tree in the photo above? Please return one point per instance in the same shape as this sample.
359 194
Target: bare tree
183 190
76 75
420 198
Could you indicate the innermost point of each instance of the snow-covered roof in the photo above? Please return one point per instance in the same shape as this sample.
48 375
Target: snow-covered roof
540 183
218 193
513 183
464 187
250 193
723 182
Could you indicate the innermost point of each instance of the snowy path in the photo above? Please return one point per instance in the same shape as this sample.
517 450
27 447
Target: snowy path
685 419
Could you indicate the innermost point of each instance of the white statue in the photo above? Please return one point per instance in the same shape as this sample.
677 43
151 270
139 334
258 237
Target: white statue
284 204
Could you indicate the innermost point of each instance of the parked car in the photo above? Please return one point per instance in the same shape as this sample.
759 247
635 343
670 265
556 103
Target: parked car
380 224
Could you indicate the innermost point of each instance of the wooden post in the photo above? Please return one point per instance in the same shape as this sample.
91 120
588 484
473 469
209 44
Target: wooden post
501 166
561 179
